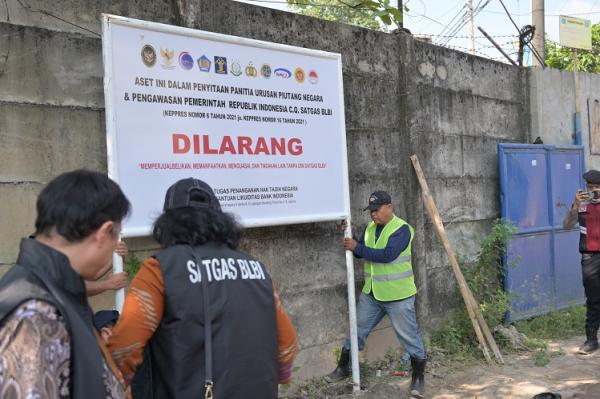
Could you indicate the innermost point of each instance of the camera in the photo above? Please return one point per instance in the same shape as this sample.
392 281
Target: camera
593 196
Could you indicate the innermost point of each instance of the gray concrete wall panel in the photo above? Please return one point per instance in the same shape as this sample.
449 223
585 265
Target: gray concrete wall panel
448 69
41 142
553 107
45 67
17 214
83 16
461 113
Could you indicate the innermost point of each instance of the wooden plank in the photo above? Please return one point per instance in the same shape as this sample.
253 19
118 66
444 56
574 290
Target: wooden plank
470 302
435 217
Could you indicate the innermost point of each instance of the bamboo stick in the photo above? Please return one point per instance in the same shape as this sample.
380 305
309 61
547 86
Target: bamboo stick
462 284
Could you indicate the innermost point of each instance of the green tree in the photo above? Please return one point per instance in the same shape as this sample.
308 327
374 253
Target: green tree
365 13
562 57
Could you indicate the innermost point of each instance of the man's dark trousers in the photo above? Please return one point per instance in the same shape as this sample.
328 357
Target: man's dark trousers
590 267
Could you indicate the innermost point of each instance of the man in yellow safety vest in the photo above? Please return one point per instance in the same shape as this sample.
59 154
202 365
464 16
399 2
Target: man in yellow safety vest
389 287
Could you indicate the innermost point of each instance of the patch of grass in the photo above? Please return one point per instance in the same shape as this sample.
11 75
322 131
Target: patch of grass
541 358
310 389
555 325
536 344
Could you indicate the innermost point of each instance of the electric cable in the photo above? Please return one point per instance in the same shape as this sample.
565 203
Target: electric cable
453 18
478 8
532 47
28 7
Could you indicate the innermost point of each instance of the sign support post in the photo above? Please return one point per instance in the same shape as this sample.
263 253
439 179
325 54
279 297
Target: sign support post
352 312
119 294
578 133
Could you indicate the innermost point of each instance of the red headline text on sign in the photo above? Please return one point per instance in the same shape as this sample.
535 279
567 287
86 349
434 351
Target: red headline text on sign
240 145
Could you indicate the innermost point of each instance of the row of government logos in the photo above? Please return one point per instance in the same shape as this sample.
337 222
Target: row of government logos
221 66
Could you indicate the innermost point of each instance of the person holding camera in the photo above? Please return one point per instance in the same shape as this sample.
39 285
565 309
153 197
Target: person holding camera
586 211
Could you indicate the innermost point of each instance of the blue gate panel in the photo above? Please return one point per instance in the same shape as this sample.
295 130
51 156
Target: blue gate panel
567 269
526 189
542 262
566 179
529 281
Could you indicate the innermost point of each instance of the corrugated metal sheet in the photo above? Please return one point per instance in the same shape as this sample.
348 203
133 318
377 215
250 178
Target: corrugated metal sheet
542 265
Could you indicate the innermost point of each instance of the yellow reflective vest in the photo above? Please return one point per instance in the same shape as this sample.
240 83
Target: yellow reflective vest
389 281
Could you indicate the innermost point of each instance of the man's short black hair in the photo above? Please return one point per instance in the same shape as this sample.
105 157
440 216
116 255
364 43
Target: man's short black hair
77 203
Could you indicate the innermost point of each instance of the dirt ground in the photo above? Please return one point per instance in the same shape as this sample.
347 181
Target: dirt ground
567 373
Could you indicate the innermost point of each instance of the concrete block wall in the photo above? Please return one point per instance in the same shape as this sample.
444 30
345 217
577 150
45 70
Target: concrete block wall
52 102
314 292
553 106
459 108
401 97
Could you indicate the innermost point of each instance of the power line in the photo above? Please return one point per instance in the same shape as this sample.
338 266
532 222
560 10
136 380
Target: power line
462 36
422 15
547 15
476 10
28 7
451 28
533 50
592 7
453 18
448 11
431 19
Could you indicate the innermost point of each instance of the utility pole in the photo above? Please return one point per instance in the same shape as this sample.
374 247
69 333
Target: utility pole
470 24
537 15
399 7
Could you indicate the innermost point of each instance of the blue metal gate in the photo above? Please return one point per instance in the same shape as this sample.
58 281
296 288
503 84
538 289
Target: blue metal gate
542 265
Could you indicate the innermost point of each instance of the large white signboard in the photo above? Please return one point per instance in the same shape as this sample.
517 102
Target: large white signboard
262 123
575 32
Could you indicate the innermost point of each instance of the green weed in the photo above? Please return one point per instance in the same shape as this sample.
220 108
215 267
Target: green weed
484 277
132 265
541 358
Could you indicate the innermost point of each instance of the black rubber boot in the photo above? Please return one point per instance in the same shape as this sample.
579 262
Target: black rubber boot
591 343
342 370
417 383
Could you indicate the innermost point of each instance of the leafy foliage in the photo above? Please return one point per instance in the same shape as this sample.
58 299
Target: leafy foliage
484 277
131 265
364 13
562 57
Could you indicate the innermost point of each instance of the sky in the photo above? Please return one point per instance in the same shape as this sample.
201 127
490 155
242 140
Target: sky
435 17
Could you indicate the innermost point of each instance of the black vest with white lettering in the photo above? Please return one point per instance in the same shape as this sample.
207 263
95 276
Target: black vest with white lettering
244 334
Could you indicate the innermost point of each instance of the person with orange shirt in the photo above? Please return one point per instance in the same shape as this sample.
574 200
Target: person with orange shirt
208 311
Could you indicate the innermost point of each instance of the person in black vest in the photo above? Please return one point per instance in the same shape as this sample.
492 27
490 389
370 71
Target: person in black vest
208 311
586 211
48 345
